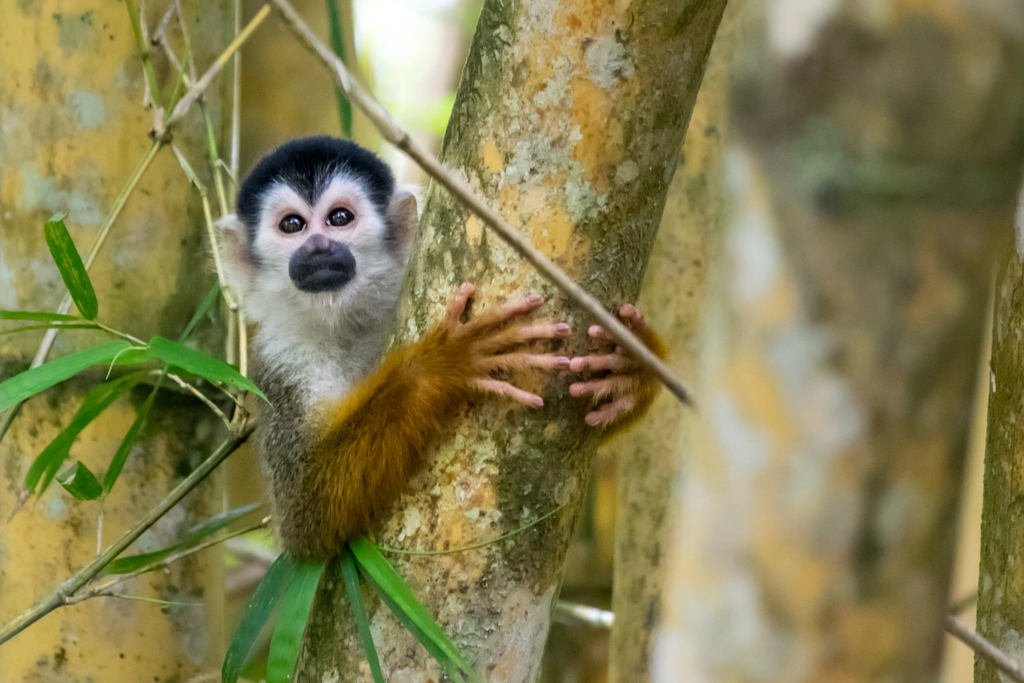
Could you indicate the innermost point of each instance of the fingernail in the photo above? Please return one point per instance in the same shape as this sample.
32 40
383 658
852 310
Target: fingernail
534 299
563 362
594 329
563 328
538 401
465 287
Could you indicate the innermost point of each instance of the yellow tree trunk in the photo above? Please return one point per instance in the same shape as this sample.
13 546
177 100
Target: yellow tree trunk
672 297
72 128
817 525
569 118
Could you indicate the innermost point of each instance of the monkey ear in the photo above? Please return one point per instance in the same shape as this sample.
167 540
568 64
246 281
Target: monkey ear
403 215
231 244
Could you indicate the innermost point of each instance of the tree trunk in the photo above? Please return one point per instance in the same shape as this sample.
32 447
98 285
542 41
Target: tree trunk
672 297
817 525
72 128
569 119
1000 597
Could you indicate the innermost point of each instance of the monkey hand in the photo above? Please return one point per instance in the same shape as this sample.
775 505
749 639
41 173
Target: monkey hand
496 343
619 389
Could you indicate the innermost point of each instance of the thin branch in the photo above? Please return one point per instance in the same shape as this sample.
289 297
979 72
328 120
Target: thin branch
86 574
394 134
236 101
574 614
105 587
984 648
203 83
142 46
202 397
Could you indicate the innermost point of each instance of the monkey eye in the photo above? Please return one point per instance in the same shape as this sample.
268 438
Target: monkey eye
291 224
340 216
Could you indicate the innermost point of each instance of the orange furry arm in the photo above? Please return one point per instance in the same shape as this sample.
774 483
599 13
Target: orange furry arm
372 441
359 451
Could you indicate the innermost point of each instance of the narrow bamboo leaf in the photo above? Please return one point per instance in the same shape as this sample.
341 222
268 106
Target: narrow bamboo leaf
286 644
31 382
193 536
447 665
59 326
99 398
70 265
355 598
338 47
201 312
80 482
130 437
200 364
133 356
385 576
263 601
36 315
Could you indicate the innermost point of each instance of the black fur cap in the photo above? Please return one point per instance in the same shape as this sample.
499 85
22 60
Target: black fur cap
308 165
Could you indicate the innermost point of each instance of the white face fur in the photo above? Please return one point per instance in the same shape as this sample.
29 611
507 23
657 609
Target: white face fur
299 329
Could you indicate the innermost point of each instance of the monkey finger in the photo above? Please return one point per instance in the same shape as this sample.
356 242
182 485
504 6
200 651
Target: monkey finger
510 338
458 305
608 413
615 386
506 390
616 362
523 361
496 318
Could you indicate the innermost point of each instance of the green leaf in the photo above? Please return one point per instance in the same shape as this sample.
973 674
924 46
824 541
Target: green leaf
70 265
80 482
31 382
447 665
59 326
351 575
204 307
200 364
99 398
193 536
263 601
390 583
338 47
130 437
286 644
36 315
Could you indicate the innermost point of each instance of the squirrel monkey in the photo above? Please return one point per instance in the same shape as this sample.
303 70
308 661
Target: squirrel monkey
318 247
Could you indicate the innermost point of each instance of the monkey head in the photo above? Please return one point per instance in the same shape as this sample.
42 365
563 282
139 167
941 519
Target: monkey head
319 227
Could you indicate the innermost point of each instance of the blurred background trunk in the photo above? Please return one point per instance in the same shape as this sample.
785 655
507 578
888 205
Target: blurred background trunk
818 521
72 130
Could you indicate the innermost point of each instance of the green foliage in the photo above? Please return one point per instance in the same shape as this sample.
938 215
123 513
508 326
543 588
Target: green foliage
266 597
99 398
179 355
70 265
201 312
192 537
403 603
80 482
130 437
338 46
286 645
351 576
31 382
44 316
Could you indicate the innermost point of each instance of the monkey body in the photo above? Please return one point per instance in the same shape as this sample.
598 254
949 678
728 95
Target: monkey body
318 248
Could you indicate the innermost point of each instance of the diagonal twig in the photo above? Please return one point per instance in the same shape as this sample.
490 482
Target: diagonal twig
394 134
984 648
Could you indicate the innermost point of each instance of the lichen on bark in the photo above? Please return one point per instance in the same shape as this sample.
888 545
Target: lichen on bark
569 119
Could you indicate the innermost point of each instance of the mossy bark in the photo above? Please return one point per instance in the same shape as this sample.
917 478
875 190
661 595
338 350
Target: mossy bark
1000 580
72 129
650 459
817 525
569 118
